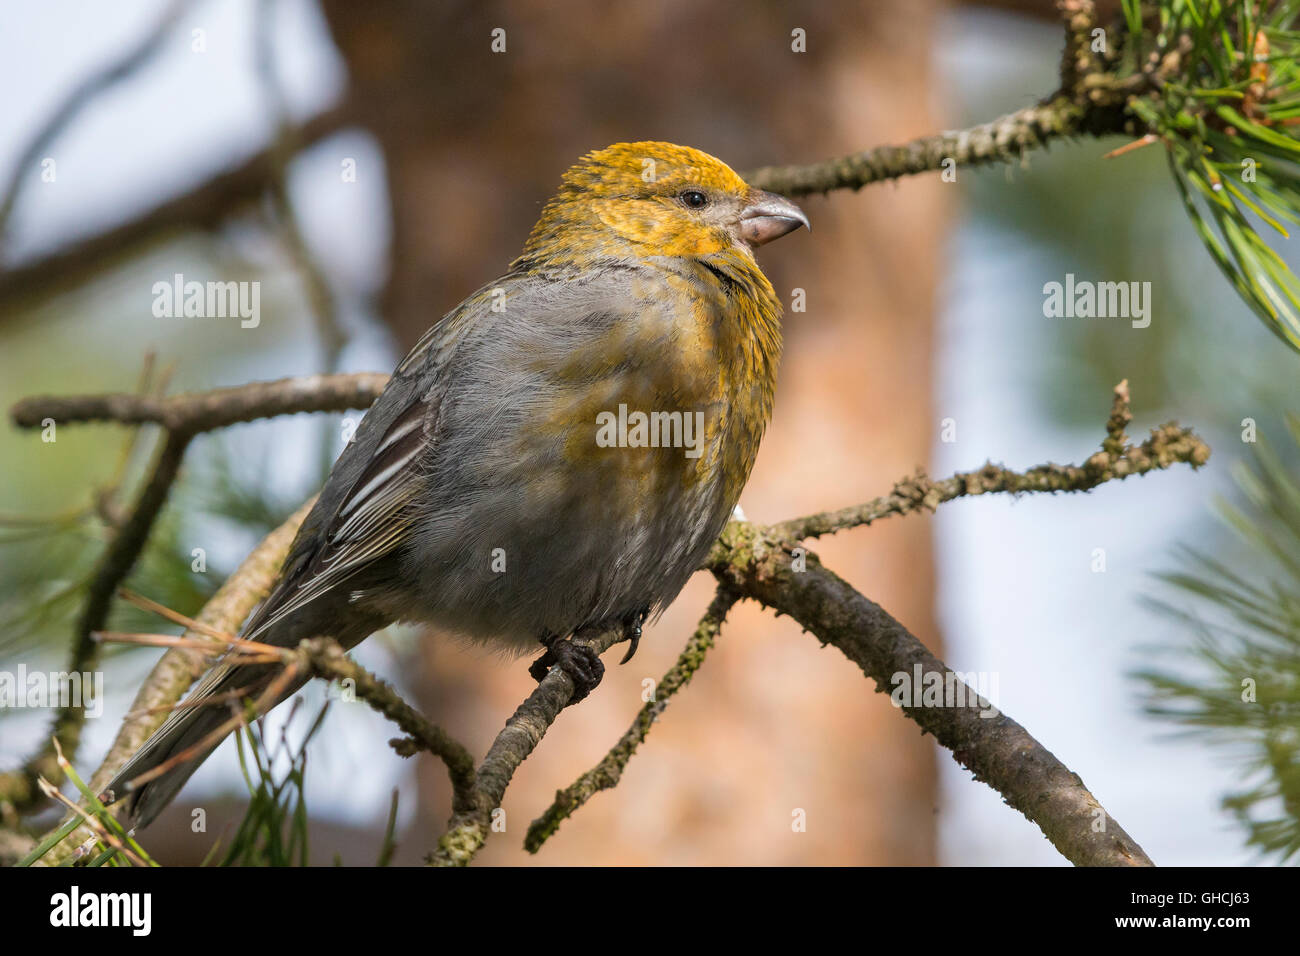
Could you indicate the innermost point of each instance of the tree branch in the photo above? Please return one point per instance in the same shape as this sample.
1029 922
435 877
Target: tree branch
208 411
758 562
1117 460
468 828
606 774
1003 140
326 658
995 748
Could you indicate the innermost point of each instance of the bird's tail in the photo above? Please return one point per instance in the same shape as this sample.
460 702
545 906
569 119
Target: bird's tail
153 777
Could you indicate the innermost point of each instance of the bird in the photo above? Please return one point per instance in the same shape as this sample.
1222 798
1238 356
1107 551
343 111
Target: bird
557 453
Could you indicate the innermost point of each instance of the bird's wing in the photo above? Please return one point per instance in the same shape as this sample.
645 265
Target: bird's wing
366 522
359 515
355 520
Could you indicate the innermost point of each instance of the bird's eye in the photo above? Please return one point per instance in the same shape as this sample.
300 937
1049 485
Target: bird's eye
693 198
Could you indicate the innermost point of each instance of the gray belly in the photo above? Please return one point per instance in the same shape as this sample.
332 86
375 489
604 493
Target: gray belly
517 552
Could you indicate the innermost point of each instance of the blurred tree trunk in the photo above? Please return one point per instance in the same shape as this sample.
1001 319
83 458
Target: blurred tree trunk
474 142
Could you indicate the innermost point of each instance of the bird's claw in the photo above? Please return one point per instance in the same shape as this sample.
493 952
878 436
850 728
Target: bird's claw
580 662
632 632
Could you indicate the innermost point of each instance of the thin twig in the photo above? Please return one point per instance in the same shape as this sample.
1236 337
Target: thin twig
326 658
210 410
95 826
606 774
1169 444
468 828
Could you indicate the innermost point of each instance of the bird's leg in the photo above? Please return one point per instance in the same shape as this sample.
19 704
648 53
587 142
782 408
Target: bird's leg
632 631
581 663
539 668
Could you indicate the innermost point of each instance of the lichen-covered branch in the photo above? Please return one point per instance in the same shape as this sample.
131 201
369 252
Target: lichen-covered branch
1167 445
606 774
1005 139
996 749
468 828
759 562
326 658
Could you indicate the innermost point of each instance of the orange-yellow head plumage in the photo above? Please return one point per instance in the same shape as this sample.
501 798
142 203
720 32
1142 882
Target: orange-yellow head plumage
632 200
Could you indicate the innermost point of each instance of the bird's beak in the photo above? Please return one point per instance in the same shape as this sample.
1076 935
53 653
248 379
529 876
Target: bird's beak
769 216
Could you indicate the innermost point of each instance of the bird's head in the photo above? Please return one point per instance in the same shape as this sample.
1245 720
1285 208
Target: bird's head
655 199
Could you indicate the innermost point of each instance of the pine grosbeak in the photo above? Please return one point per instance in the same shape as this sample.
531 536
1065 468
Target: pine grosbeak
557 453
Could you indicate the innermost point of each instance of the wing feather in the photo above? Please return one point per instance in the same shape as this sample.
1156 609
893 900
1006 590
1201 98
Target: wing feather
367 523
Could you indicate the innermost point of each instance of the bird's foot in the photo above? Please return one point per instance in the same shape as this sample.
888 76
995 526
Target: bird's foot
581 663
632 631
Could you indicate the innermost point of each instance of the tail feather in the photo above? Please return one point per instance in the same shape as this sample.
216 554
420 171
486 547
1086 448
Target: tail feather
183 730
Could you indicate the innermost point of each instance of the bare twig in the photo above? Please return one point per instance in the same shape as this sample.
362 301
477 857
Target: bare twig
207 411
326 658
